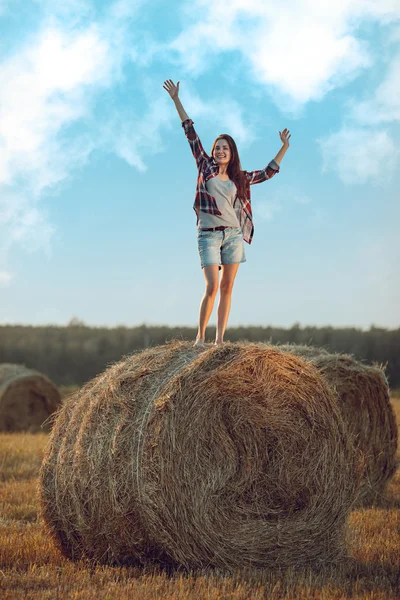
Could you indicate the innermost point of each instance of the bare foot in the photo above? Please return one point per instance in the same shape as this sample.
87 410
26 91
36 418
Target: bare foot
198 343
218 343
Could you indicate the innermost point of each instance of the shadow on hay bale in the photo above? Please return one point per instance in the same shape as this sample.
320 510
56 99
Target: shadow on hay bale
226 457
364 399
27 399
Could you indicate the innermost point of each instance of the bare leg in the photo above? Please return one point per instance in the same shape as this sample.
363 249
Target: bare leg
224 306
211 275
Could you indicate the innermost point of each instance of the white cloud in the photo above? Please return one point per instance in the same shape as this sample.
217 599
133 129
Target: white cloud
131 136
285 197
359 155
360 151
385 10
383 104
45 88
73 10
57 74
234 123
267 210
22 222
299 50
5 276
49 86
225 115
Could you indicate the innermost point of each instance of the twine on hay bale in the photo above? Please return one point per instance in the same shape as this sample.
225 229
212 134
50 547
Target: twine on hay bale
27 399
365 403
228 457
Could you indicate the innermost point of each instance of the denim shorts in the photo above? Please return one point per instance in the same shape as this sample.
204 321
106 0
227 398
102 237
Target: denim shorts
221 247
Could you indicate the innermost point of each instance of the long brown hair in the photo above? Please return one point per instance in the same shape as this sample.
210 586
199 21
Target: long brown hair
235 171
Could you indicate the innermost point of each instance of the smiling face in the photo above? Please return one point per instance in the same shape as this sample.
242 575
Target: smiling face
222 152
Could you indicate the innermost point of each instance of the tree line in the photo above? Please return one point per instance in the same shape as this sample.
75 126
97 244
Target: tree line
74 354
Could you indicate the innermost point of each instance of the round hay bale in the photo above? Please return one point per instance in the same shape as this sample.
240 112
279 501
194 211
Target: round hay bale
365 403
227 457
27 399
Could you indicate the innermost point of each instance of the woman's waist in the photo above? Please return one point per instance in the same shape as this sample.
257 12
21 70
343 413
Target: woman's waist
227 218
219 228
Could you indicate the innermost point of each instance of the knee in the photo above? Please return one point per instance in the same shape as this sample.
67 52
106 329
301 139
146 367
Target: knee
226 287
211 290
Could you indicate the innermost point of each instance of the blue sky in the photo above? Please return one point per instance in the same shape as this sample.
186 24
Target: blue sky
97 180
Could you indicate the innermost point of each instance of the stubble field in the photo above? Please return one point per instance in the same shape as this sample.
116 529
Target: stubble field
32 568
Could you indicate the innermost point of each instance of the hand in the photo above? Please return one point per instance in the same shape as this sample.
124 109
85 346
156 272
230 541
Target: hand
172 89
285 135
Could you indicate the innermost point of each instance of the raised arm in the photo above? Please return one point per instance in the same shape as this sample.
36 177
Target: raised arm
274 166
173 91
263 174
194 141
285 136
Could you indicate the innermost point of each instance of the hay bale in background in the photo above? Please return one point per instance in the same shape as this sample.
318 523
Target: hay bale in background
364 399
27 399
228 457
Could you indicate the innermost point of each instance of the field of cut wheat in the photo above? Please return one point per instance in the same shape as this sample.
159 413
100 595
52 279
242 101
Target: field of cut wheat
31 567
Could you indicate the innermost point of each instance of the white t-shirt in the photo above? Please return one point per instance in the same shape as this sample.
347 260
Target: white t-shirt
224 193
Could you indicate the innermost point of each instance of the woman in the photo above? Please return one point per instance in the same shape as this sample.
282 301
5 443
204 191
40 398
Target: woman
224 217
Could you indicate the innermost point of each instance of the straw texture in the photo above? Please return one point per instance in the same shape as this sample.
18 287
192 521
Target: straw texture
27 399
365 404
224 457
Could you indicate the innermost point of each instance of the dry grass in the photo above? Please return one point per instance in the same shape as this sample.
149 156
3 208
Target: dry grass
32 568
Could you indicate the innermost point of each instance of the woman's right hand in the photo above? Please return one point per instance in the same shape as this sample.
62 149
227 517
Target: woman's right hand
172 89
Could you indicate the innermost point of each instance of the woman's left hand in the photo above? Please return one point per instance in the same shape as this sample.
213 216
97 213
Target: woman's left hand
285 135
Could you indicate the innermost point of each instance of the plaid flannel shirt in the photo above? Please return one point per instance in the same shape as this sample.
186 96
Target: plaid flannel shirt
207 168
